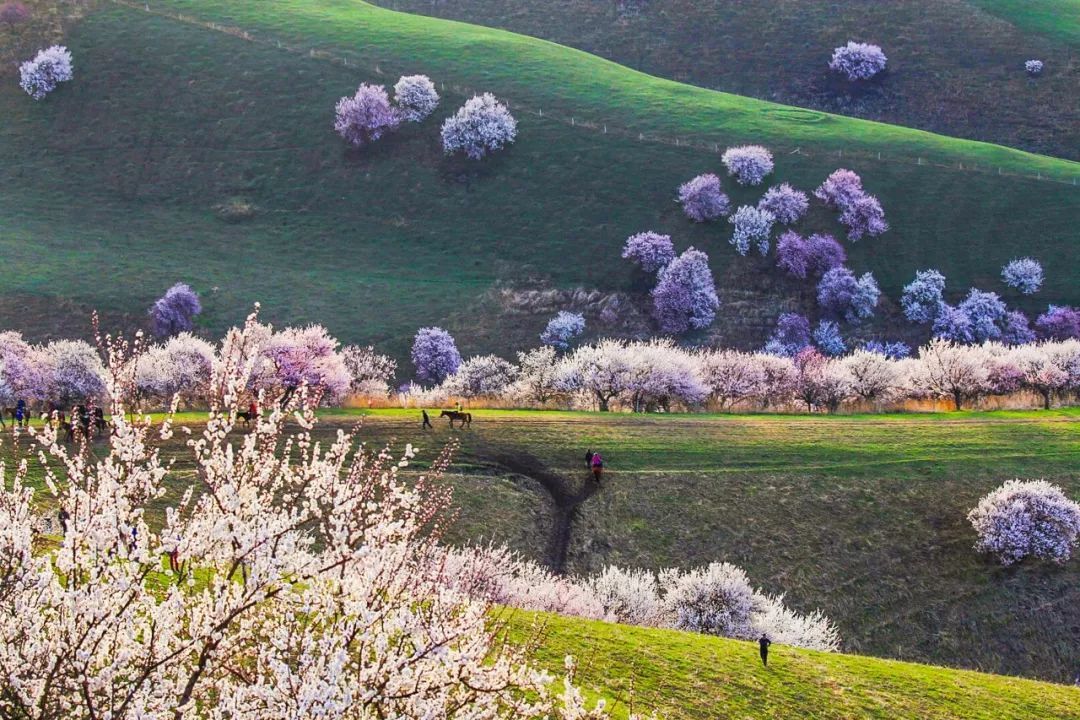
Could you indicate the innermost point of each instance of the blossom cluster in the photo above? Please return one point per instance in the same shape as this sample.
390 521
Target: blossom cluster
785 203
1033 67
703 199
481 126
800 257
1024 274
685 294
49 68
842 295
175 311
416 97
858 61
368 114
859 211
751 225
562 329
1024 519
749 164
651 251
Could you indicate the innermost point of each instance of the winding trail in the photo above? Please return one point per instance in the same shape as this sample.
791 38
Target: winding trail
564 496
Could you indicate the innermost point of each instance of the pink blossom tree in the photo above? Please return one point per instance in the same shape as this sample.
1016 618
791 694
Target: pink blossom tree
481 126
786 204
366 116
749 164
685 294
1023 519
175 311
703 199
651 251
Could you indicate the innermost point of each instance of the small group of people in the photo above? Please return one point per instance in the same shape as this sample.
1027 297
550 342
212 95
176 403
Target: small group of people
19 414
595 464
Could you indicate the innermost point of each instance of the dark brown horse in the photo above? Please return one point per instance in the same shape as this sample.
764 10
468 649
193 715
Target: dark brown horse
464 417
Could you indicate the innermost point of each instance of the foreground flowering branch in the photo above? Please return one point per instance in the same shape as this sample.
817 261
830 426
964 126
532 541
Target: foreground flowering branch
293 579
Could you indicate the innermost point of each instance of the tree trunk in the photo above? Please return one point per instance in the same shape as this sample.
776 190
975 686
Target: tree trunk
957 399
1046 399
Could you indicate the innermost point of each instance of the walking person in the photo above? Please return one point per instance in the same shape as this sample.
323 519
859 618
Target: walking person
597 464
763 644
22 417
588 459
427 421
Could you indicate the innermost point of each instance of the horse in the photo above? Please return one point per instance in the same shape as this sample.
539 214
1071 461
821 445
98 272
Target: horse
464 417
246 416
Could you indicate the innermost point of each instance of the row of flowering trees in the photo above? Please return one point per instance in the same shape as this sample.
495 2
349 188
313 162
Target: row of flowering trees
659 375
302 578
67 372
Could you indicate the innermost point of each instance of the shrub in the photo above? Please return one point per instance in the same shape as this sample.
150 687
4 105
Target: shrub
841 294
1059 322
415 97
651 251
751 225
1026 519
366 116
786 204
703 199
716 600
828 339
14 13
985 312
858 61
628 595
749 164
864 216
816 255
1024 274
922 297
1033 67
175 311
685 294
791 335
49 68
434 355
563 328
481 126
840 189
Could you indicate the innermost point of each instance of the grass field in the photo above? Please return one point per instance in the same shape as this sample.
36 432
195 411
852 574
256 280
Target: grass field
700 678
955 66
860 516
110 185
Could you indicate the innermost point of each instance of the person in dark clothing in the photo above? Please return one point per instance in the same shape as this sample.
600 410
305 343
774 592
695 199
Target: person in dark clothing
427 421
63 516
763 643
22 417
588 459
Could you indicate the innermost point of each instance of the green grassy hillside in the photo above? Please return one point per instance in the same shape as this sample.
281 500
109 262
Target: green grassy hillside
955 67
111 185
693 677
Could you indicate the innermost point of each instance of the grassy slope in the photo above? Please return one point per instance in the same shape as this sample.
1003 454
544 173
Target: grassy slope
700 678
954 67
118 173
1055 18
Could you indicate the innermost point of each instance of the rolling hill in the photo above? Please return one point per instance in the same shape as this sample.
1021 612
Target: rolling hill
113 186
955 66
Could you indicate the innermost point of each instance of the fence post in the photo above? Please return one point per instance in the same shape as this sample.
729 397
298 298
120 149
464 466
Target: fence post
605 129
641 136
571 120
541 112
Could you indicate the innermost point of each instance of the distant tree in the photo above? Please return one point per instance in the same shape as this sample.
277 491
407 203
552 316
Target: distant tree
820 381
434 355
49 68
874 376
1059 322
816 255
950 370
685 294
628 595
840 189
651 251
1016 329
986 312
952 323
369 371
893 350
791 335
1024 274
416 97
751 225
601 371
703 199
14 13
661 373
864 216
1040 370
828 339
538 375
303 357
923 296
787 204
481 376
366 116
842 295
481 126
1033 67
75 371
731 376
858 61
749 164
181 367
175 311
24 370
562 329
1031 518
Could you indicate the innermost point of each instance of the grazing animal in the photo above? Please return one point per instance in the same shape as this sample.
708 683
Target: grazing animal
464 417
247 416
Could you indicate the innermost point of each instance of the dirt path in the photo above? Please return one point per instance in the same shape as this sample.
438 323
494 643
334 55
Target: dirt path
565 497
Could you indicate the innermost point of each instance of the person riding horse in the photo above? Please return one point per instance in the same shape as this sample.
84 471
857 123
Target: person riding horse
464 417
